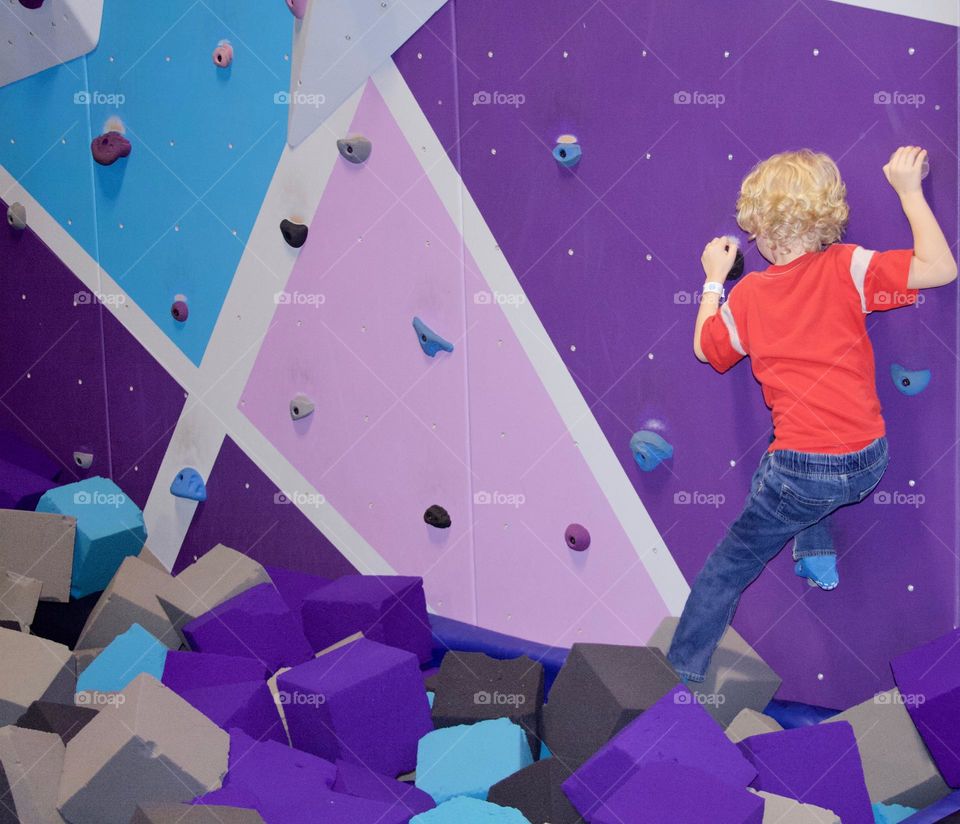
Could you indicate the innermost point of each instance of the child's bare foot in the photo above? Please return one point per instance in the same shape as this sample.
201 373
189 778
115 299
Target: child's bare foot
819 570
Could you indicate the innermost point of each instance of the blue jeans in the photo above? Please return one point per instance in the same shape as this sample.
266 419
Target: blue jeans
791 495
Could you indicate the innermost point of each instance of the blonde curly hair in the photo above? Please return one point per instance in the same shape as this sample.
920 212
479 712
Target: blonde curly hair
794 197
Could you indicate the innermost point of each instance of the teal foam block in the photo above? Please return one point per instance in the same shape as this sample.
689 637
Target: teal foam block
134 652
464 810
891 813
109 528
469 758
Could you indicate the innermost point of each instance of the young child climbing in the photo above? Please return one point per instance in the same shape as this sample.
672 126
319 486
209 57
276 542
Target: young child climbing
802 323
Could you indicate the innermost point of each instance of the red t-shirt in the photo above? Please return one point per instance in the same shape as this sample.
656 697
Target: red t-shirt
804 327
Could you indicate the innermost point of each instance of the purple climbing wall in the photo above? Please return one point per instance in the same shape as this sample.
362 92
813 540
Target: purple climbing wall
672 104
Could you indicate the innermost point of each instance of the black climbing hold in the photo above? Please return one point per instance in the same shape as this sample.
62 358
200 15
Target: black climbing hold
355 149
295 234
437 516
736 270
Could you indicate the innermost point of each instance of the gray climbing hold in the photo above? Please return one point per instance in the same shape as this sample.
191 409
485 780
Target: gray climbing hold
300 407
17 216
83 459
295 234
355 149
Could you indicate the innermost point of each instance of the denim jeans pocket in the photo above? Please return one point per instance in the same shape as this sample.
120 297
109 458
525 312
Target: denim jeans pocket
799 509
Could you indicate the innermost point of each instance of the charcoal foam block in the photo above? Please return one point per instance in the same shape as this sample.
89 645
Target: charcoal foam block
130 598
182 814
39 545
778 809
537 792
928 678
19 597
62 622
33 762
470 759
33 669
109 528
62 719
8 809
256 623
129 655
231 691
466 810
676 729
600 689
216 577
750 722
362 702
151 746
472 686
817 765
736 672
389 609
896 764
20 488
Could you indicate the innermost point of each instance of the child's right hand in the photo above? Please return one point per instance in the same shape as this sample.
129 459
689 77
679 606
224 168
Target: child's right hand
903 170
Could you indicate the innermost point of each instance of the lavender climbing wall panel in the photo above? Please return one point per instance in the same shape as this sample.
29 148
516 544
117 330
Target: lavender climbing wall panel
672 104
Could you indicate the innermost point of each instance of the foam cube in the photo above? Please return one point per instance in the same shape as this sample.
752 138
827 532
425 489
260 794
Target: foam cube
675 729
33 762
130 598
466 810
20 488
361 781
62 719
390 609
182 814
738 678
256 623
216 577
891 813
896 765
19 597
470 759
362 702
151 746
778 809
109 528
62 622
33 669
750 722
129 655
817 765
537 792
295 587
231 691
600 689
928 678
8 809
40 546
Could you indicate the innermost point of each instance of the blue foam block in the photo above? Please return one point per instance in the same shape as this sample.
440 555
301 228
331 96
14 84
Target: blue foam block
109 528
465 810
468 759
891 813
130 654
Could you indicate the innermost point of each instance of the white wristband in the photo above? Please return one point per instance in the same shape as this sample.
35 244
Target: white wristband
713 286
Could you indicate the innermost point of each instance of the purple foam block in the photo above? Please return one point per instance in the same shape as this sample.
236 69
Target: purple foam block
20 488
391 609
293 586
255 624
928 678
361 781
109 148
818 765
363 702
231 691
229 797
17 451
668 792
675 729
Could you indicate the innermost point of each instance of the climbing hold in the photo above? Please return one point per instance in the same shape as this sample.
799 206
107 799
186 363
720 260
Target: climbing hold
925 168
295 234
649 449
31 4
577 537
83 459
736 270
356 149
567 152
437 516
298 7
910 382
109 147
179 309
17 216
430 341
223 54
188 484
300 407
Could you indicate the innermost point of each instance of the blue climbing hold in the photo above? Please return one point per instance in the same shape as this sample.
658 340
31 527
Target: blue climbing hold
649 449
188 484
567 152
430 341
910 382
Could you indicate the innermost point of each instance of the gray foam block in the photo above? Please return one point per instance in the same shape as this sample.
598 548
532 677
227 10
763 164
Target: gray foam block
750 722
149 558
896 764
738 678
19 596
39 545
778 809
150 747
33 669
33 762
599 690
181 814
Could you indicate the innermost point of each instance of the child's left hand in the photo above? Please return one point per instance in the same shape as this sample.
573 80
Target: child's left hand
717 258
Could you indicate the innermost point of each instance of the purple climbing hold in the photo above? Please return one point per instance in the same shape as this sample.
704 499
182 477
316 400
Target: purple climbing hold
180 310
578 537
31 4
223 54
298 7
109 147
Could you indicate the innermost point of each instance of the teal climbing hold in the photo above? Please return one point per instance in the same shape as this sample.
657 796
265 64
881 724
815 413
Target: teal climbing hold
567 152
430 341
909 381
649 449
188 484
